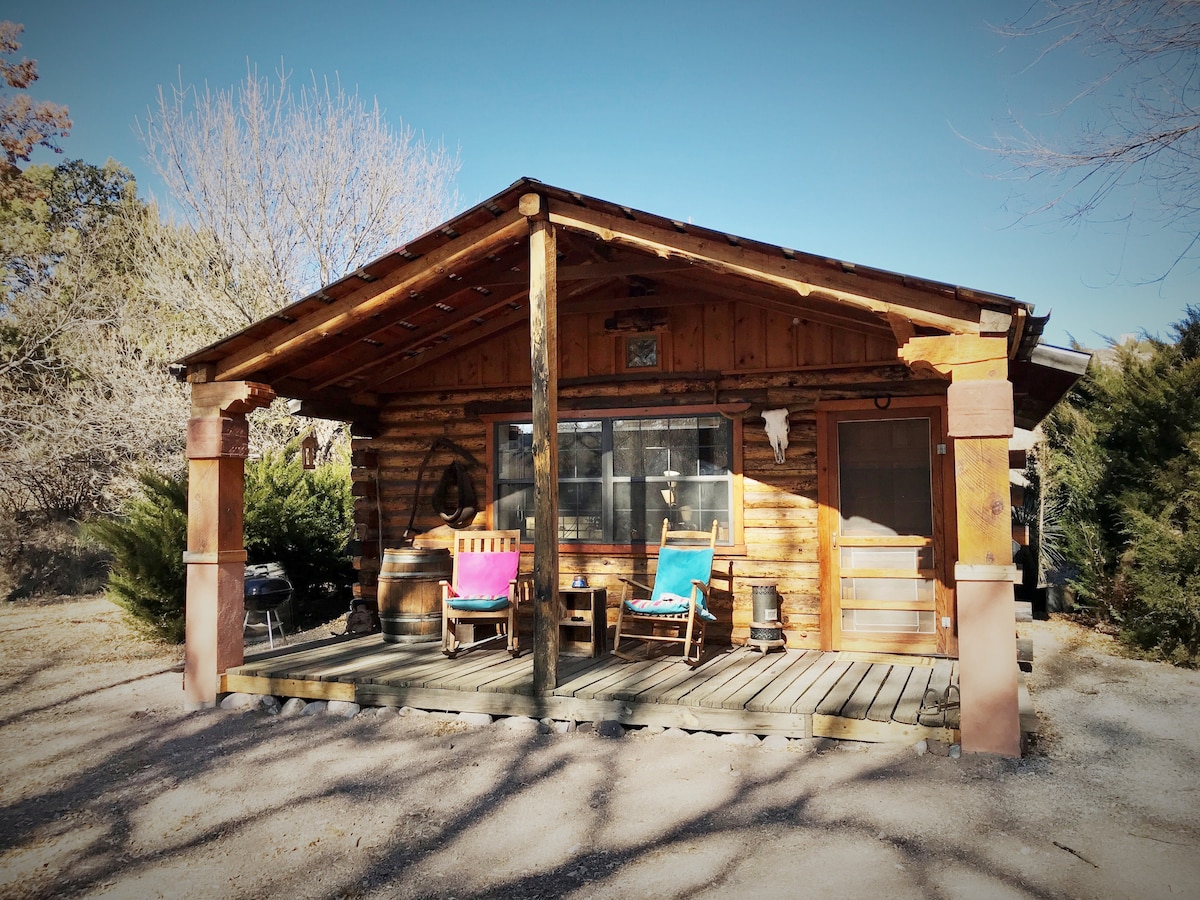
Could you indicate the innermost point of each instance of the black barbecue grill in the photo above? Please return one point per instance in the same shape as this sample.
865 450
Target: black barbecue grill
266 589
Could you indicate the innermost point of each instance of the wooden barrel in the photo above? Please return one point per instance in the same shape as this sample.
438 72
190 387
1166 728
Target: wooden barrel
410 600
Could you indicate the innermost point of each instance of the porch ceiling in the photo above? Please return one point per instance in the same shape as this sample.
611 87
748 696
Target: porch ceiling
468 279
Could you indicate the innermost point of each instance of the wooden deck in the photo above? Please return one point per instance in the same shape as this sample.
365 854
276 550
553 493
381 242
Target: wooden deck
797 693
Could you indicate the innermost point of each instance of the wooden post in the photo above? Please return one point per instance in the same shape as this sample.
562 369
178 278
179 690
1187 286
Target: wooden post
215 557
543 357
979 409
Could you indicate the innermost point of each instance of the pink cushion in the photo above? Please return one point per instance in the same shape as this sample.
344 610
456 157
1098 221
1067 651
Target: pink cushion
485 574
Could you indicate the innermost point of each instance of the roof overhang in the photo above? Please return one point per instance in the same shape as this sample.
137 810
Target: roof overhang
353 340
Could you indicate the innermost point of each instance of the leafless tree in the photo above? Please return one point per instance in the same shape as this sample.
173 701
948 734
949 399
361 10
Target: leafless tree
1149 133
303 187
82 402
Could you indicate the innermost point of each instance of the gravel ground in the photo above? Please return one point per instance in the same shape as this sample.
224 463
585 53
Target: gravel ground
112 790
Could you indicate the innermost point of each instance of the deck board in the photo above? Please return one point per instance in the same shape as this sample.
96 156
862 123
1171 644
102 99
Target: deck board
660 671
860 701
842 689
793 692
815 693
675 689
717 692
783 700
885 701
736 694
910 700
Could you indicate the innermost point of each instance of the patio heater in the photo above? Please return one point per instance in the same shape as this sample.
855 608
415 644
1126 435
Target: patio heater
766 628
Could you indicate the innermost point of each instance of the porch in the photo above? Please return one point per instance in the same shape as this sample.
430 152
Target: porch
795 693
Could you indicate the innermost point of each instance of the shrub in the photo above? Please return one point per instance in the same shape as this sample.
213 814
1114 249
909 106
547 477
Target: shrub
1123 466
147 575
302 519
299 518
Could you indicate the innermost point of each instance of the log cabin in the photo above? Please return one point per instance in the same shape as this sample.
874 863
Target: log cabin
846 427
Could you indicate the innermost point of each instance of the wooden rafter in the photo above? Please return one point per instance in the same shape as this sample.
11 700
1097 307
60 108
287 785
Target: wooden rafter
927 309
459 318
372 298
376 338
642 265
462 339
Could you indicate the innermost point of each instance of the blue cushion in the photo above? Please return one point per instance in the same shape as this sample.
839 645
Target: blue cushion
668 605
478 604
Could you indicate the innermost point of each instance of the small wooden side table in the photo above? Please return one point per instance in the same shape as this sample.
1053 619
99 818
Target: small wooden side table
583 629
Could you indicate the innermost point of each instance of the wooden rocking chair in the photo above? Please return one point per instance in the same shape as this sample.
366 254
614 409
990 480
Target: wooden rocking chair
486 588
678 600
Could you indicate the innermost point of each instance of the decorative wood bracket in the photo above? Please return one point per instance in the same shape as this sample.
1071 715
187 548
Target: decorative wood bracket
961 357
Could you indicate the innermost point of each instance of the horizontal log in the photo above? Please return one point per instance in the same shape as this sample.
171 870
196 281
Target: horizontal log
780 499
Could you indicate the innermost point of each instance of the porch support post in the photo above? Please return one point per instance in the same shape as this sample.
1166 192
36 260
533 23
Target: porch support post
980 420
215 557
543 349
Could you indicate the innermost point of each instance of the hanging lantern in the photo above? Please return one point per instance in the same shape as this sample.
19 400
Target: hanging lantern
308 451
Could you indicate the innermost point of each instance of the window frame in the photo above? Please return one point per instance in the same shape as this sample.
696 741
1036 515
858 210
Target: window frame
734 545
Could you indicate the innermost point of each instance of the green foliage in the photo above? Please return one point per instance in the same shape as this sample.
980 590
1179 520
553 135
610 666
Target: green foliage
148 575
303 520
1123 468
299 518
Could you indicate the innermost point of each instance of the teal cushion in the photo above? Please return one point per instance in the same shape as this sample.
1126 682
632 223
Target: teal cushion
478 604
668 605
677 567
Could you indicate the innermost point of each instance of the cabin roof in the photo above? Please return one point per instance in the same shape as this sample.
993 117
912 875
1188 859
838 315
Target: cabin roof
467 280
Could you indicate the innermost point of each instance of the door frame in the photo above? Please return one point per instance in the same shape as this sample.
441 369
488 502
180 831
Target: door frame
945 544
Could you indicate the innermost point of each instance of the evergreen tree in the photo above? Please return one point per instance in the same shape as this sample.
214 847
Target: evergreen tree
1124 468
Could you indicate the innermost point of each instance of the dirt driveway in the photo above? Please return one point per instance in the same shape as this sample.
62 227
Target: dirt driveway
111 790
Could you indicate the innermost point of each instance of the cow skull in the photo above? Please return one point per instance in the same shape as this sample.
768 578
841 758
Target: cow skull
777 430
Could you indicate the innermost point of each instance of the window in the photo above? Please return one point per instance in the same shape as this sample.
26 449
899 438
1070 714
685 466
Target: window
619 478
641 352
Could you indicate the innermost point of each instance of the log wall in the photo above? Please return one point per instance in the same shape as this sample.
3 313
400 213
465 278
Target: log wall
770 363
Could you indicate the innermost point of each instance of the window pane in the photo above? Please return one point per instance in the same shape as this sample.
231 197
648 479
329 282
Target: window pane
514 509
580 450
884 477
675 468
514 452
581 512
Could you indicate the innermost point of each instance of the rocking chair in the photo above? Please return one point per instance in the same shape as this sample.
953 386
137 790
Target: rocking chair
676 610
486 588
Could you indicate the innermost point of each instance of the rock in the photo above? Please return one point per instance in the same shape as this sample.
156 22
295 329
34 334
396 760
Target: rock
921 747
314 708
294 706
386 713
518 723
610 728
344 708
675 733
653 730
585 728
545 727
775 742
475 719
938 748
739 739
239 701
269 704
955 751
410 711
561 727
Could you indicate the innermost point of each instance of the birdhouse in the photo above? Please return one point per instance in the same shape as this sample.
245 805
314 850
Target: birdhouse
308 451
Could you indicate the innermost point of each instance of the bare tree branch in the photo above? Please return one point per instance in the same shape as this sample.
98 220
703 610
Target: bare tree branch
302 187
1149 134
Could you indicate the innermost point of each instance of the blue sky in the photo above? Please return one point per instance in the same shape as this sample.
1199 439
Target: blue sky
843 129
